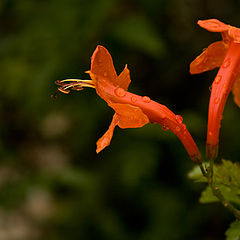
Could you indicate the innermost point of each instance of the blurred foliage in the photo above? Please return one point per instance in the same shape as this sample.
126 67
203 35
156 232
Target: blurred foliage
234 231
52 182
226 179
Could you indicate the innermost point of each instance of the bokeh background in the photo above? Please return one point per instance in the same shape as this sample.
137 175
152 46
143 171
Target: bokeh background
52 184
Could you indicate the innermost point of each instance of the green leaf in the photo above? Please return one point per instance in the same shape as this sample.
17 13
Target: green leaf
207 196
228 174
226 178
233 233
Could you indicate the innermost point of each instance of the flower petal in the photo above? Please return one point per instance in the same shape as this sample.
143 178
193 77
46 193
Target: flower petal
124 79
102 64
105 140
129 116
236 90
234 33
209 59
213 25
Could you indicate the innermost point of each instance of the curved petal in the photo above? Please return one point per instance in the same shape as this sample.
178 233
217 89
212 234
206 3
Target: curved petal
234 33
213 25
105 140
209 59
102 64
124 79
129 116
236 90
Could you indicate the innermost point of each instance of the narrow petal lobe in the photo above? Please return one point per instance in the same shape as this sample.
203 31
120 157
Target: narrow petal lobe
213 25
209 59
105 140
129 116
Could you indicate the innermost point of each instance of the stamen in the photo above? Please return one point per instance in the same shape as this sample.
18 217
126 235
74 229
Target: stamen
73 84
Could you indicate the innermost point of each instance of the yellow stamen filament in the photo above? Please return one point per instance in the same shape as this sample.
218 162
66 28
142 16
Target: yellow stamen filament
74 84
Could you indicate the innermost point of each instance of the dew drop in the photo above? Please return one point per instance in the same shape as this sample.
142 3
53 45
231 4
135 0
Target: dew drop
120 92
216 100
210 88
218 79
226 63
179 118
210 133
146 99
133 99
165 127
105 74
177 128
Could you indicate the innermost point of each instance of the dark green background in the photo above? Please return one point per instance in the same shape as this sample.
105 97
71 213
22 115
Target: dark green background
52 184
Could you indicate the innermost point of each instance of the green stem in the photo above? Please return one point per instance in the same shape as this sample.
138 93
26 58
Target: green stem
217 192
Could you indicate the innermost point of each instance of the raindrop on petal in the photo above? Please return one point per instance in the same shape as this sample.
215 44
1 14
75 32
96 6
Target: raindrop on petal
133 99
120 92
165 127
226 63
179 118
218 79
177 128
146 99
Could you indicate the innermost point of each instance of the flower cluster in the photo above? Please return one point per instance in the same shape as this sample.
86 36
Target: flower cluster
134 111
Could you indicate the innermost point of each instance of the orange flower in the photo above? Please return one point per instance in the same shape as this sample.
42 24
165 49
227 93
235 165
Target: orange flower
131 111
226 55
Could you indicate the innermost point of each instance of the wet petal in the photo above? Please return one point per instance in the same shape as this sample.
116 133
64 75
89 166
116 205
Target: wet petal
234 33
236 90
124 79
105 140
129 116
209 59
102 64
213 25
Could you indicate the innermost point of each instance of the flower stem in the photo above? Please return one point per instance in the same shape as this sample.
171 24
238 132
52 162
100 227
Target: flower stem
217 192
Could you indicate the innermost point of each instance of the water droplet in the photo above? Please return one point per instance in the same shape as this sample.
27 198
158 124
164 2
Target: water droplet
184 126
177 128
218 79
133 99
226 63
210 88
120 92
210 133
146 99
165 127
216 100
179 118
105 74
